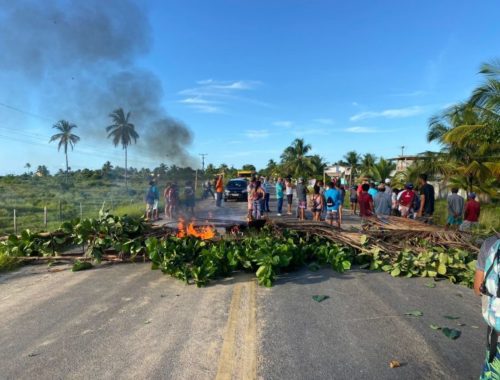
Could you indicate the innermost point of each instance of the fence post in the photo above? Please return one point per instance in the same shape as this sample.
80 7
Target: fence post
81 211
15 222
45 217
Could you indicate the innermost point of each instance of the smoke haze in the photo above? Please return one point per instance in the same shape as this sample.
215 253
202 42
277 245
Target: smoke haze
76 60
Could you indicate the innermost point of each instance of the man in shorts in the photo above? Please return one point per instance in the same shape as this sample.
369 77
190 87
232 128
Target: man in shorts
455 209
426 210
152 197
333 201
301 199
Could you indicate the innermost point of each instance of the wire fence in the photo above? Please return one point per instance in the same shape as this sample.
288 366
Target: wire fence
17 217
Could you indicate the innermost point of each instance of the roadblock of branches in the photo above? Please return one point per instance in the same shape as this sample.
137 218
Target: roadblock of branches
389 234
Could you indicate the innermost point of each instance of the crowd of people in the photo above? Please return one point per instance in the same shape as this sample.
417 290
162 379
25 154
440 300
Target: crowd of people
325 201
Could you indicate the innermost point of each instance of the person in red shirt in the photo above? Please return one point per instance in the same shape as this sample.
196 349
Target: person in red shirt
471 213
365 202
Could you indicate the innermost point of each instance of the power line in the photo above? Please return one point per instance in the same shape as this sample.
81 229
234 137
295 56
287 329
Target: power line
28 113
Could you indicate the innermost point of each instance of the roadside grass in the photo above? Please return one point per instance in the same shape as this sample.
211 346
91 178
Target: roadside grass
488 219
8 263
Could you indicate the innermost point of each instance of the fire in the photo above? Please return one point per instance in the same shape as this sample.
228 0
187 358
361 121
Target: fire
204 232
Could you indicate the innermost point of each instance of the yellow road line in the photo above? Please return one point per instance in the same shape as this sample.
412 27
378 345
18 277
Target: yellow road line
238 357
226 359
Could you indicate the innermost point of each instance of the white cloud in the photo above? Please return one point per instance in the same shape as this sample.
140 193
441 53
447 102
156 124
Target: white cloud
283 123
360 130
355 104
210 93
257 133
389 113
325 121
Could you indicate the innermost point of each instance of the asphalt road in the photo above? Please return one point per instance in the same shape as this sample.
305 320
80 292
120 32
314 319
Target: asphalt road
126 321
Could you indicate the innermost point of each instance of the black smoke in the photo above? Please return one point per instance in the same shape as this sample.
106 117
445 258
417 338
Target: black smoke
77 61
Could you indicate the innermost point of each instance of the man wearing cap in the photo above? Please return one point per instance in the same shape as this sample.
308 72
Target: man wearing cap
382 201
455 209
471 213
388 188
406 199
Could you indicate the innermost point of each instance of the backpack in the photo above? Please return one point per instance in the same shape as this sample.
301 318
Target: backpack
330 202
407 198
490 287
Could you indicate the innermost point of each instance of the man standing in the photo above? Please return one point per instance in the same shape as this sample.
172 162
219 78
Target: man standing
332 201
279 195
382 201
301 190
219 189
152 197
471 213
388 188
365 202
373 189
267 194
426 200
455 209
406 199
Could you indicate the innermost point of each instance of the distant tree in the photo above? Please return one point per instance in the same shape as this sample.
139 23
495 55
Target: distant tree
318 165
28 166
65 138
42 171
367 163
352 159
123 132
248 167
295 159
383 169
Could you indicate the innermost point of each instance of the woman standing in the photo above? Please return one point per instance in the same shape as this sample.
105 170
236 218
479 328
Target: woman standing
289 194
257 195
317 203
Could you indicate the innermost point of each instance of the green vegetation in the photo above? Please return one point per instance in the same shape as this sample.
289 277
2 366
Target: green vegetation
266 253
489 218
65 138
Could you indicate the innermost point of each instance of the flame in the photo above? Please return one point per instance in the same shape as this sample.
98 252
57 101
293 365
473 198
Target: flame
204 232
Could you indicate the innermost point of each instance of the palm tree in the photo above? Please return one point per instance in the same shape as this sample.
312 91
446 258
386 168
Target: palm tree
295 159
352 159
367 164
383 169
470 139
487 96
123 132
65 138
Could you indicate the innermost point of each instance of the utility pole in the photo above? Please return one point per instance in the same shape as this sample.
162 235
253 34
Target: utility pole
402 150
203 155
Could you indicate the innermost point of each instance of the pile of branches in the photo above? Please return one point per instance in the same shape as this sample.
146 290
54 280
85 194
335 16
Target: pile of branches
390 235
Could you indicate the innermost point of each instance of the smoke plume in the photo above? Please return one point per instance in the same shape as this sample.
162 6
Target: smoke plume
77 58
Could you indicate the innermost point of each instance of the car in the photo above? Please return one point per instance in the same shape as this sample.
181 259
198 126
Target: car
236 189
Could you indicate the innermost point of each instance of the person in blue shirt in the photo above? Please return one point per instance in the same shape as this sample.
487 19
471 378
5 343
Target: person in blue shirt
280 187
333 201
152 198
373 189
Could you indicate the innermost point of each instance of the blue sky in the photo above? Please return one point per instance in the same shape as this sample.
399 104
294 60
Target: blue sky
248 77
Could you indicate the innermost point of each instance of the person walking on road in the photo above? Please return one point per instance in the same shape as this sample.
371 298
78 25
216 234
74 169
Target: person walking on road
332 200
279 195
426 210
267 194
219 189
289 194
353 199
455 209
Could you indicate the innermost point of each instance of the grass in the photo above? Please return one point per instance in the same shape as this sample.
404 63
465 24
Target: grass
8 263
488 219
